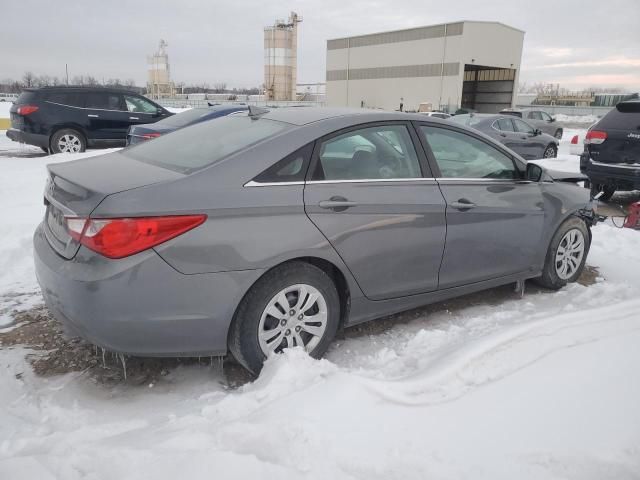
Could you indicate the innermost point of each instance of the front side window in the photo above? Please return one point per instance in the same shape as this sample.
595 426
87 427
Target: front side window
545 116
459 155
522 127
373 153
139 105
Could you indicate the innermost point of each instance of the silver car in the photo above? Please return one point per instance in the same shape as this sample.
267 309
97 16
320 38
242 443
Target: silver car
538 118
269 230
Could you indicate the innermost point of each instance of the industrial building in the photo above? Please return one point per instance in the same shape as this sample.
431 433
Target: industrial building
280 58
468 64
159 84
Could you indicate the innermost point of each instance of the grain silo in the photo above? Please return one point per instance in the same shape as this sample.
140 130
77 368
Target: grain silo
280 58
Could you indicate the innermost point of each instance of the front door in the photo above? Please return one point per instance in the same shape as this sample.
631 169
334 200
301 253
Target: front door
369 197
531 147
494 217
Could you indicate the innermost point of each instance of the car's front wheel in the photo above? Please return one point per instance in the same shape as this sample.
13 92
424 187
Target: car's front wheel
294 305
566 255
68 140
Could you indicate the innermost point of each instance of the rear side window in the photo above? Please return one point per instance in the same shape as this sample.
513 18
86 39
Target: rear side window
292 168
626 116
190 149
535 116
504 125
104 101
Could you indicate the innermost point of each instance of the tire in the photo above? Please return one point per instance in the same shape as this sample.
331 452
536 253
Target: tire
607 191
550 152
245 342
68 140
553 276
558 134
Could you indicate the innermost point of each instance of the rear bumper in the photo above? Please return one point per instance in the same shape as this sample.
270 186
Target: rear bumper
28 138
621 176
139 305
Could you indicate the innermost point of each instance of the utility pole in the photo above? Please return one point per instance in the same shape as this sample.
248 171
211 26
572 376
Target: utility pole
66 68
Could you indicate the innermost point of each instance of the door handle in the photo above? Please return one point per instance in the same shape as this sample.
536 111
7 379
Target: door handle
462 204
92 116
134 118
336 203
503 134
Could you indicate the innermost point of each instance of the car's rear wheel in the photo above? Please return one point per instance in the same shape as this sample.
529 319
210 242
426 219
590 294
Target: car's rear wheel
558 134
550 152
294 305
68 140
566 255
607 191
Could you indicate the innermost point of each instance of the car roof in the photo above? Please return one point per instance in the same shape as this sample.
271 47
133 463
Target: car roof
307 115
65 88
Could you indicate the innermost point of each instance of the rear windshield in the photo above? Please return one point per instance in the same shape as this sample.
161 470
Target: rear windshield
511 112
466 119
26 97
204 144
626 116
184 118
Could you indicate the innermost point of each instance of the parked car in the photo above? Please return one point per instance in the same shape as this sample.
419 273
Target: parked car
538 118
262 231
8 97
70 119
442 115
147 131
611 157
527 141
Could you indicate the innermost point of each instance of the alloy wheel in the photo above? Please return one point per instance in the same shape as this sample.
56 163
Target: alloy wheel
549 152
295 317
69 143
569 254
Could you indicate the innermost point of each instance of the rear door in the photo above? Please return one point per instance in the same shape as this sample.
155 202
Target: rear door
371 193
494 218
107 118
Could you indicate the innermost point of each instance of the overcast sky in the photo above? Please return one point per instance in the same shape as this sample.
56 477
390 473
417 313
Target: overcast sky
575 43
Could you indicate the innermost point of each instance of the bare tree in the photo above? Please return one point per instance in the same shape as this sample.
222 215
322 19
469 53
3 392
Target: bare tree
219 87
27 79
130 82
91 81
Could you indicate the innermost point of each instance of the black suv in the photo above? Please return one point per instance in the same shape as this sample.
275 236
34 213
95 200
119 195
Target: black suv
70 119
611 157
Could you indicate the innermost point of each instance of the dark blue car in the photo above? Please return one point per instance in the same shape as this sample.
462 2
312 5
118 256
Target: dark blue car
140 133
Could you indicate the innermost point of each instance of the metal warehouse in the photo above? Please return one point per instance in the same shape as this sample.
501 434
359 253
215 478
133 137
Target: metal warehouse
467 64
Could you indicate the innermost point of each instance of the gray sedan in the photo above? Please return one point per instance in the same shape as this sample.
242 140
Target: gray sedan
518 135
537 118
269 230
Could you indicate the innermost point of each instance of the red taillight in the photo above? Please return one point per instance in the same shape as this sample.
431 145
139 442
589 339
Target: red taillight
595 137
574 140
121 237
149 136
27 109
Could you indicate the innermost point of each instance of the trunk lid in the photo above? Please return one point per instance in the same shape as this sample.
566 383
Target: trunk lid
76 188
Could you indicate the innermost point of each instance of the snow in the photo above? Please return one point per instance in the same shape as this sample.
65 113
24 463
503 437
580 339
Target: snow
545 386
587 119
4 109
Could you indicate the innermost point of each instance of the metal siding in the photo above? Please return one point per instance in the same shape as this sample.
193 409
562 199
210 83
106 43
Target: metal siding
401 71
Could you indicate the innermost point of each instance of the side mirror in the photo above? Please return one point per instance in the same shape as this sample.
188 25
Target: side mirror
534 172
553 119
537 132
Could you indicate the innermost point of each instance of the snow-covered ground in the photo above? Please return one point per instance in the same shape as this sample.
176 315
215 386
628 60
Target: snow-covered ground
543 387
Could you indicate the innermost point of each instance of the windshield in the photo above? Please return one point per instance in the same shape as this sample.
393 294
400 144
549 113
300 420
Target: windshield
204 144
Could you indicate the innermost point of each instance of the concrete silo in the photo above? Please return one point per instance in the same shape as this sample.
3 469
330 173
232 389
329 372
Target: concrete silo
280 58
159 82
